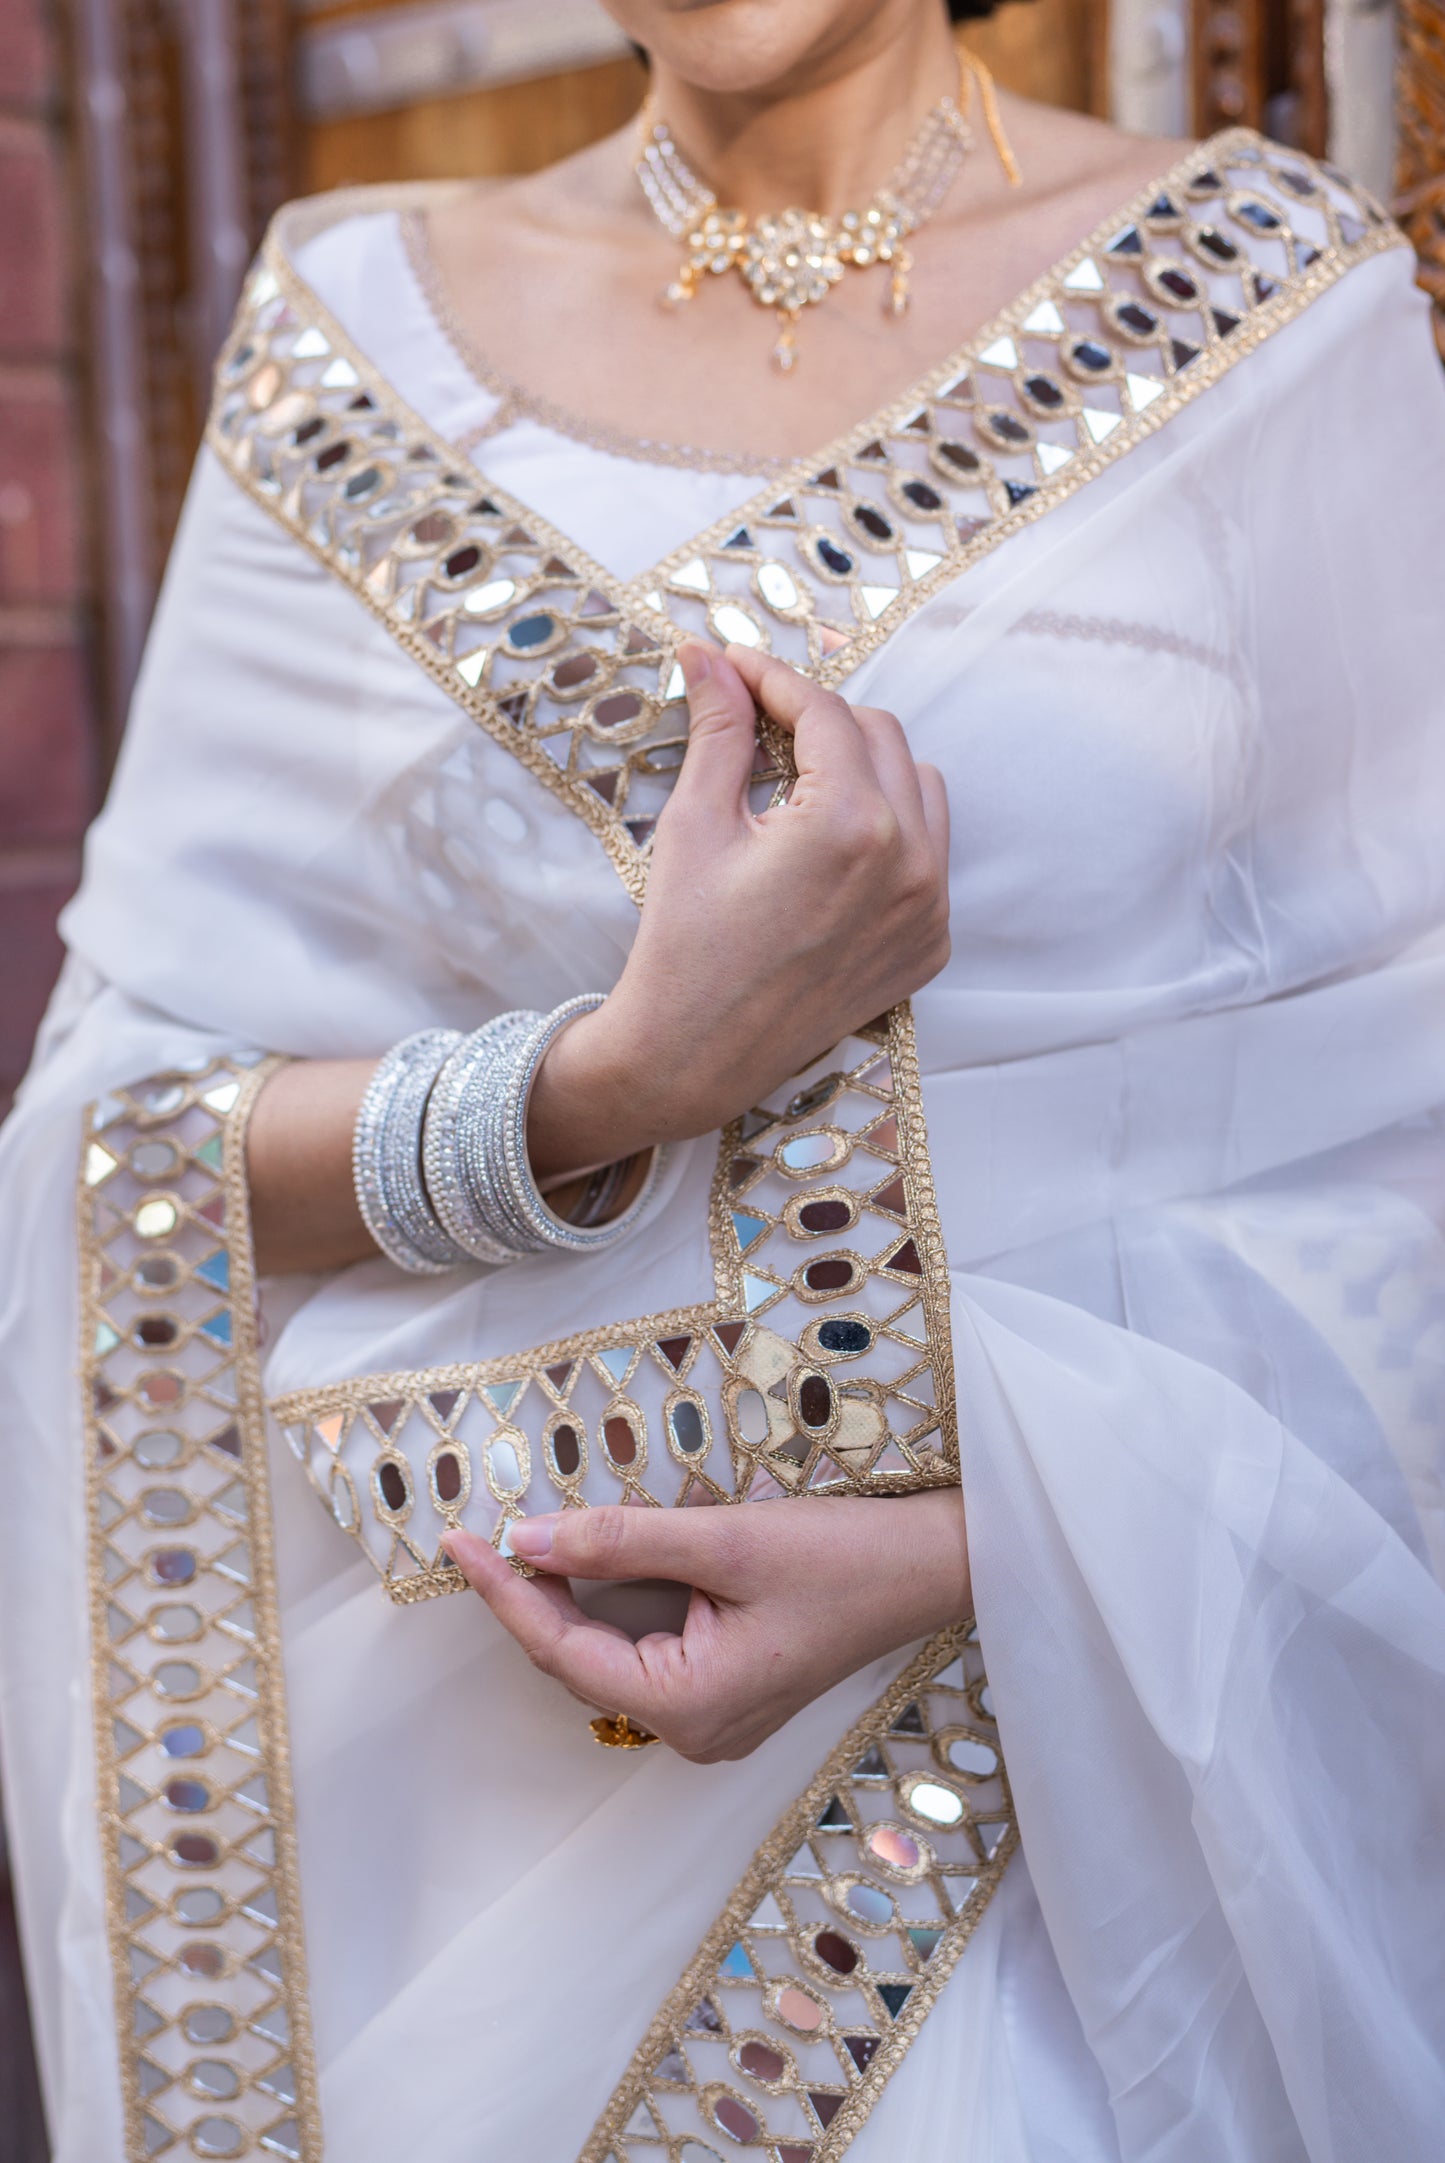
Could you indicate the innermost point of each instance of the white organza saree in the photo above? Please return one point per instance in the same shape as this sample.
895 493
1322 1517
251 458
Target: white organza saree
1143 1236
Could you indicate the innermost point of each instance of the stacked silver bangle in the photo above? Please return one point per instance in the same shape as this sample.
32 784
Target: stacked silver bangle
386 1156
440 1151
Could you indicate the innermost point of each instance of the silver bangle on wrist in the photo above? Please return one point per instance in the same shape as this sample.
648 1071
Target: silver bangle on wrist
386 1156
460 1177
439 1154
474 1150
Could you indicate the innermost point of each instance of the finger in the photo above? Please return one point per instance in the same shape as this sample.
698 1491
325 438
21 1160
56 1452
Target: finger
827 741
704 1548
595 1659
722 729
894 764
934 790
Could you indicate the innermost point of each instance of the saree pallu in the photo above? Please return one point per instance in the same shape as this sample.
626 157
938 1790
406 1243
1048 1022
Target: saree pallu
1166 1139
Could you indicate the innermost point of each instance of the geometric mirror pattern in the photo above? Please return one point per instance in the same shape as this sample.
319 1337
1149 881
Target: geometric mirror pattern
191 1748
572 669
822 1363
809 1988
821 1367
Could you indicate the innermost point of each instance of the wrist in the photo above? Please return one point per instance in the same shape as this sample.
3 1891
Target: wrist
938 1573
588 1104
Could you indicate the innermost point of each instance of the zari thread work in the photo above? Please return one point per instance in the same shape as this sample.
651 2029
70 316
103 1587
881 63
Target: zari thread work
190 1718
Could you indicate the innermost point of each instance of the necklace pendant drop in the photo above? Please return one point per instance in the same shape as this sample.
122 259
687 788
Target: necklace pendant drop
791 259
784 355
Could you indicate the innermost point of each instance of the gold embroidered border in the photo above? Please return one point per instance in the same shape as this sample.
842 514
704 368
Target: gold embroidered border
830 558
846 1387
807 1991
821 566
192 1756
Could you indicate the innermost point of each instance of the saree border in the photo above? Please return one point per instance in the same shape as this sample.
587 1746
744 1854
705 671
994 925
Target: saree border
836 620
863 1785
217 1995
343 1433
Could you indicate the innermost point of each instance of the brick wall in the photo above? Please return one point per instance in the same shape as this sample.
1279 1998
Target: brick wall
49 731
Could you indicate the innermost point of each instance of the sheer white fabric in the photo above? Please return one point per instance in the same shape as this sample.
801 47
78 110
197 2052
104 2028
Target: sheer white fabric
1184 1078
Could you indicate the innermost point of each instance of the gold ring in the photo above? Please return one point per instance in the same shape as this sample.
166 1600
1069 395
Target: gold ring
616 1732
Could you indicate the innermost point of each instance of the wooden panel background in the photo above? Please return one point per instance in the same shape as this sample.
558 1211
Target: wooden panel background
1050 49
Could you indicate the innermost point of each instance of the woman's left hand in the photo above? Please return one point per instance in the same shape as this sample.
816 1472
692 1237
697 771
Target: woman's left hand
785 1603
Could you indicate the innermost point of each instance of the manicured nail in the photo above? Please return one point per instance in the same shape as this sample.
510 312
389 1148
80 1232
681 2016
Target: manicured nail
695 661
532 1537
461 1546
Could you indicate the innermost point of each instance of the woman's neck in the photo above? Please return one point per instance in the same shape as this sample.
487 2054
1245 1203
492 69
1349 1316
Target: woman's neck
825 142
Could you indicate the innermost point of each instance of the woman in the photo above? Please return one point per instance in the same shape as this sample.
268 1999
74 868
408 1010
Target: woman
1124 1237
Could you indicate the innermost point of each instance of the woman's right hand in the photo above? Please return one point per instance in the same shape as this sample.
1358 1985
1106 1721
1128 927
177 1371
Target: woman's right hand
765 938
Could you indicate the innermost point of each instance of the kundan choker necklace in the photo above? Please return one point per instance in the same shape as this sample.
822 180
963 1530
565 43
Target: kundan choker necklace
791 259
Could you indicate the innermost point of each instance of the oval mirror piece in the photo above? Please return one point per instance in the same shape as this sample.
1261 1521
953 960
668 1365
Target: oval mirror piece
211 2077
844 1337
735 626
615 712
196 1850
392 1483
154 1332
175 1625
870 1904
157 1447
207 1960
893 1846
175 1678
832 1215
752 1417
938 1804
978 1759
155 1219
447 1475
209 2024
734 2118
815 1401
165 1506
566 1450
761 2061
185 1741
153 1160
343 1503
504 1467
486 600
157 1273
777 586
835 1952
834 1273
187 1795
172 1565
809 1152
529 632
799 2010
688 1431
217 2137
620 1439
199 1904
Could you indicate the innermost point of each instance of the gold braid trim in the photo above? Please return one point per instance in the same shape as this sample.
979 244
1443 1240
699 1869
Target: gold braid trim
803 1998
192 1755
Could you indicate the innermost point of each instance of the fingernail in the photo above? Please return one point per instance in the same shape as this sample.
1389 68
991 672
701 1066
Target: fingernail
532 1537
695 661
460 1545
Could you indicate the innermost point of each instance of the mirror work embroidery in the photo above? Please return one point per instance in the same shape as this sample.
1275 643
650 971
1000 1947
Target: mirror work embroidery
822 1363
190 1718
